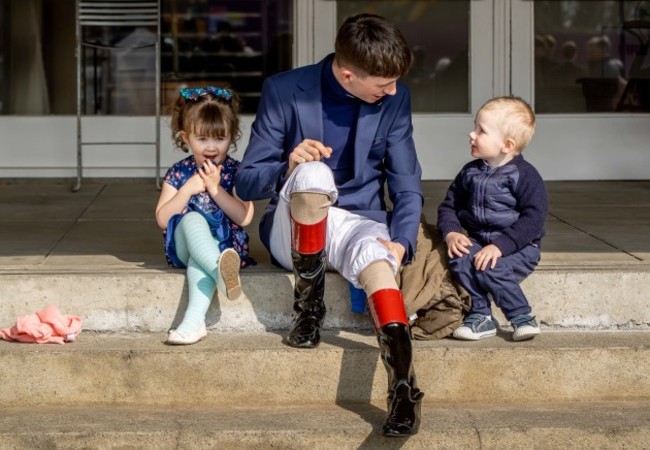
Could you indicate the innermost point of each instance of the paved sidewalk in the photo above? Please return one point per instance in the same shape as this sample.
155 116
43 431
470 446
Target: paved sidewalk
109 224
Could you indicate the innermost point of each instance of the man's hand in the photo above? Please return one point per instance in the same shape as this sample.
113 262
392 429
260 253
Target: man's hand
457 244
487 256
395 248
307 150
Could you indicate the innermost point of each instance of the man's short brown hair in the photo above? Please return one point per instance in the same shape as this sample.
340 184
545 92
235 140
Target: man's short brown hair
374 46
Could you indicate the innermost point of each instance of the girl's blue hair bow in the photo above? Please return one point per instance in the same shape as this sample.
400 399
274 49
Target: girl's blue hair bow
193 94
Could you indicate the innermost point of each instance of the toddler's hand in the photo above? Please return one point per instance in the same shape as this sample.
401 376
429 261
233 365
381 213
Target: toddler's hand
487 256
457 244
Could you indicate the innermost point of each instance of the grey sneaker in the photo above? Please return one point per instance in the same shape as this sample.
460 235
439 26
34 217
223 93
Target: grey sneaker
525 326
475 327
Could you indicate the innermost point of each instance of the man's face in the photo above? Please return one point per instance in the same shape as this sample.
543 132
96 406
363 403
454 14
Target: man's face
370 89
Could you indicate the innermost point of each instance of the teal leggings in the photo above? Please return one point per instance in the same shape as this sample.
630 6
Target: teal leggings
199 250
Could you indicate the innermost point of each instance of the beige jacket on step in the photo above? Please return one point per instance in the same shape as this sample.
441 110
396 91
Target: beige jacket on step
428 289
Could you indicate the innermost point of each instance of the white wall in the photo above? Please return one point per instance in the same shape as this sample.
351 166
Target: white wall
46 146
33 147
602 148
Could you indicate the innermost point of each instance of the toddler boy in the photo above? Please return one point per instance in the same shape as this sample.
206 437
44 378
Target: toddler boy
500 200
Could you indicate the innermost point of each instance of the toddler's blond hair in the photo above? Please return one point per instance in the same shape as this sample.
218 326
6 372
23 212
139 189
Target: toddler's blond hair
516 119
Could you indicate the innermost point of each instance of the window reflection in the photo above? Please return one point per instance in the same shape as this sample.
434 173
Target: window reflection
120 80
591 56
37 68
4 63
234 43
438 33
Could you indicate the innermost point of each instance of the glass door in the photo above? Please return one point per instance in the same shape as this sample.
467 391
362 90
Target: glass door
592 56
454 71
468 51
438 33
585 66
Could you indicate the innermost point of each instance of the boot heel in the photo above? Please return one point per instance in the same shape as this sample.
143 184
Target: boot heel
229 282
404 411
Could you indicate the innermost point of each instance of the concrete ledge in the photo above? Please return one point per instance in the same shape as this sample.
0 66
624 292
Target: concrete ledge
245 370
153 300
444 427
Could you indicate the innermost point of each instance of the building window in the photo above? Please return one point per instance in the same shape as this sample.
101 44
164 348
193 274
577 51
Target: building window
592 56
37 65
234 43
438 34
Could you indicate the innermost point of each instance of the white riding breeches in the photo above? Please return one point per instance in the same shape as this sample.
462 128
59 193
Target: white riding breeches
351 243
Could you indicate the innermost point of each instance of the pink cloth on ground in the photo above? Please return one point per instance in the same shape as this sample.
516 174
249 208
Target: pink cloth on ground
47 326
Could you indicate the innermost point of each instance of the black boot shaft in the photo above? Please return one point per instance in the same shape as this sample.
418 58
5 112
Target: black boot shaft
308 306
309 274
404 397
396 352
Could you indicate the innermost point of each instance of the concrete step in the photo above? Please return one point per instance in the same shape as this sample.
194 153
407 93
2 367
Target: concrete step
567 426
154 299
98 253
248 370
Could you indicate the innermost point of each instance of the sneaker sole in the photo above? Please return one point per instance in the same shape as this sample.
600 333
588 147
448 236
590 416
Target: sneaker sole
465 334
229 265
525 334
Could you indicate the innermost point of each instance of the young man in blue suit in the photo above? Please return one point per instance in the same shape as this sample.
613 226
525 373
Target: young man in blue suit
328 142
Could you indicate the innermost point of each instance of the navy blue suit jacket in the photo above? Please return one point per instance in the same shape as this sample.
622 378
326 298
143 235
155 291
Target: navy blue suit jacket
291 110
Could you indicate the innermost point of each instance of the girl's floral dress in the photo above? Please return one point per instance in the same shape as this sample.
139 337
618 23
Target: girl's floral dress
228 233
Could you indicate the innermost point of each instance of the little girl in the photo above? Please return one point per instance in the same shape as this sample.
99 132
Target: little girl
198 210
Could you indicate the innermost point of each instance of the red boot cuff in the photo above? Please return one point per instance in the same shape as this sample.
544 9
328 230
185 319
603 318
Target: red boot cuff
308 239
387 306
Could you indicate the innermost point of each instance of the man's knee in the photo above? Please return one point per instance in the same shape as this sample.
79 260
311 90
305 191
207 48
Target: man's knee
313 170
313 176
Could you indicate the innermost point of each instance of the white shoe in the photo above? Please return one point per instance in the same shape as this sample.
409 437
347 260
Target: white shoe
176 337
229 282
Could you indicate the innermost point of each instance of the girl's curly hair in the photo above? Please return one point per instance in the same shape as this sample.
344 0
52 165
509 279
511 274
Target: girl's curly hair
209 115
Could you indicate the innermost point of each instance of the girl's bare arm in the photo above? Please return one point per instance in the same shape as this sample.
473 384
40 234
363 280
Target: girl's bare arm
172 201
236 209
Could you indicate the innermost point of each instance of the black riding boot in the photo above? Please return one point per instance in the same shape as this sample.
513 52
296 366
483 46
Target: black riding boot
404 398
308 306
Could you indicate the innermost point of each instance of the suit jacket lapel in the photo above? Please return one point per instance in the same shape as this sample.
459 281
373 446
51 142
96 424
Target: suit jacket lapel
310 116
309 104
367 124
